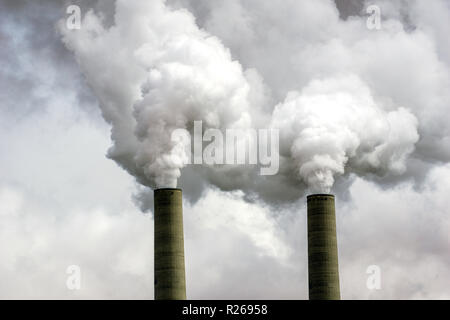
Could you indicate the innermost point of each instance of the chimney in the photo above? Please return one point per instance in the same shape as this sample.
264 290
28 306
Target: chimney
170 281
323 272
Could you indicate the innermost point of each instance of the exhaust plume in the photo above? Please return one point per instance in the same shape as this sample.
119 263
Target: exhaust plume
155 71
159 72
336 121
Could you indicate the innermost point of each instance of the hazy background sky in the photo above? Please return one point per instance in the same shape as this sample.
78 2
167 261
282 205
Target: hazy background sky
63 202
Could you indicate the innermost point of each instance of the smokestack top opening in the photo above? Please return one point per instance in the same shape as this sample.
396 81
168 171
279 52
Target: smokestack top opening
320 195
167 189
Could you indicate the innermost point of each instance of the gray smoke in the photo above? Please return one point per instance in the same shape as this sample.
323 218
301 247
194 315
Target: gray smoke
158 72
347 100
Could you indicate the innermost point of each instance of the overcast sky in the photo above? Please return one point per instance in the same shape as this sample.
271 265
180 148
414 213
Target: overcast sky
68 198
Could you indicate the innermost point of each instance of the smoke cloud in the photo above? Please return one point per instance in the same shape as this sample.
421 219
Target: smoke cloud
63 203
174 74
335 121
345 98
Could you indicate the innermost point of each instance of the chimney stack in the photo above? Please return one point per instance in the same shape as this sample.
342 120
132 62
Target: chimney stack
323 272
169 270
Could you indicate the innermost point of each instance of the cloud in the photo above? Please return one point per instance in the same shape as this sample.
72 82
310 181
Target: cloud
405 233
62 202
39 244
167 85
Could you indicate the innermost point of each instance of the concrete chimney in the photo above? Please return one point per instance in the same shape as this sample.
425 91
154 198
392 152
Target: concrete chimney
170 280
323 272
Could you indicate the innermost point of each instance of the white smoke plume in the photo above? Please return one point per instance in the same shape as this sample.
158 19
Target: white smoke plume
346 99
159 72
336 120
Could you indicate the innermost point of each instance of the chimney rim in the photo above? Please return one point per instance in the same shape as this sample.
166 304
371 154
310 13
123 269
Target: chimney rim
171 189
320 195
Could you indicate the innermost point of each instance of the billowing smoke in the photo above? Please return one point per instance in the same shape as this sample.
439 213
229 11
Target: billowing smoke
333 121
159 73
325 83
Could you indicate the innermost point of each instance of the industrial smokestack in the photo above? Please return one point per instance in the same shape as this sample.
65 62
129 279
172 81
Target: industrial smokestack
170 280
323 272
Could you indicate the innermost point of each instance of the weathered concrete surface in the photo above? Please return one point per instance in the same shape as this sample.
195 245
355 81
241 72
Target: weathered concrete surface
323 271
170 279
